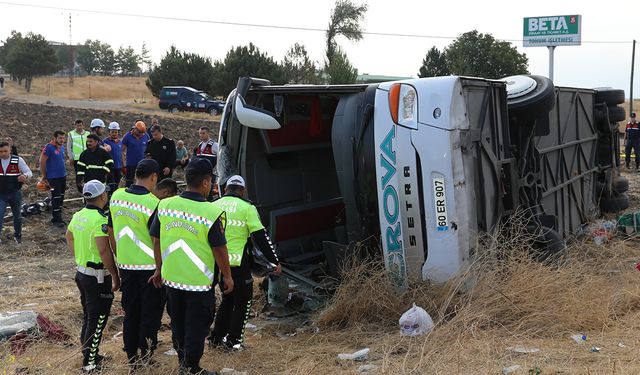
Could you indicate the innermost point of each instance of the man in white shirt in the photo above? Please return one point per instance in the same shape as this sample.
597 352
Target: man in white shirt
13 173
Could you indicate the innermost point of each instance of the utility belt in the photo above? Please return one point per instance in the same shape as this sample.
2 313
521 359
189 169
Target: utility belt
98 274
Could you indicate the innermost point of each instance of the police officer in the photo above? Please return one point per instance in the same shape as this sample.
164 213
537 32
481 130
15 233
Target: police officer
243 223
632 140
131 211
97 276
188 232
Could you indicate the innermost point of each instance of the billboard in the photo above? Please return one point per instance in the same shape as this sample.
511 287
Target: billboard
552 31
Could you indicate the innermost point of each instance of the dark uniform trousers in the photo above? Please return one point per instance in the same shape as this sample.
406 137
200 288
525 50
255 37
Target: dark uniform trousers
632 144
113 179
143 305
58 187
130 175
191 316
233 313
96 302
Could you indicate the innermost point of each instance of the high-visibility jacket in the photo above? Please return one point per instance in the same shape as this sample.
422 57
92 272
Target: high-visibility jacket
78 143
242 219
187 258
130 214
86 225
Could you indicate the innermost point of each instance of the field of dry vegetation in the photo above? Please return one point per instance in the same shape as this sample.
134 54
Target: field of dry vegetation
506 300
92 87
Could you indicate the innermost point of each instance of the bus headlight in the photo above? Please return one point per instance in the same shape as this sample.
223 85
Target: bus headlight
403 103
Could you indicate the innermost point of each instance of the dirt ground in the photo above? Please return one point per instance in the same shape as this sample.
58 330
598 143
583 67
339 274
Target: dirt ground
38 275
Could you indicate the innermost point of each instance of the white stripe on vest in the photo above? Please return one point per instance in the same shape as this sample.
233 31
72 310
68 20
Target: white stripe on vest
181 244
126 231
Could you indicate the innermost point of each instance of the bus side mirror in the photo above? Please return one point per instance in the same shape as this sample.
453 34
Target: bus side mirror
254 117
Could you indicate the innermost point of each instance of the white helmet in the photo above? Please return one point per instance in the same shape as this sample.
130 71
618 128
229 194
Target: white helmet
114 126
97 123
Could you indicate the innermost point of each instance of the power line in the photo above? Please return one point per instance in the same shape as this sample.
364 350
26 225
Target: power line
242 24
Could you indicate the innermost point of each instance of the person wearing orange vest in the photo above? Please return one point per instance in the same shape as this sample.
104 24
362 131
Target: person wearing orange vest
632 141
13 173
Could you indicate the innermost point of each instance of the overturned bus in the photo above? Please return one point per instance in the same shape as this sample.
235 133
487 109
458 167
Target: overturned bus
418 168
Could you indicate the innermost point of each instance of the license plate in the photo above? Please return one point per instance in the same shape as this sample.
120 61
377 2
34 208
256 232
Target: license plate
440 204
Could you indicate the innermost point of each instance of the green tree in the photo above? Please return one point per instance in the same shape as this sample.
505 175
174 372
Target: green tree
340 70
244 61
7 45
145 58
345 21
180 69
11 41
434 64
66 54
127 61
30 57
298 67
106 59
87 55
481 55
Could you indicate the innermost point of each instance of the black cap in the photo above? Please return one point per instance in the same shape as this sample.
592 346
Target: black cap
199 166
146 167
633 114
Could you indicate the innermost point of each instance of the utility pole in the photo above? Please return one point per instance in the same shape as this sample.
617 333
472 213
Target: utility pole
71 59
633 62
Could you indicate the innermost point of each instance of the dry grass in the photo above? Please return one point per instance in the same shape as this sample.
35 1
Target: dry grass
505 299
96 88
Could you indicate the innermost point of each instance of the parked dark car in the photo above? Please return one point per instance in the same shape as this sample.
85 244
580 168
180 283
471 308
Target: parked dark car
182 98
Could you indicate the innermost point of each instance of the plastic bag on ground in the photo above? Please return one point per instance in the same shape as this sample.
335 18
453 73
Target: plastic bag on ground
415 322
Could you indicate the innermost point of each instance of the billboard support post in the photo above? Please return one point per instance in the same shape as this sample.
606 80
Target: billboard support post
551 50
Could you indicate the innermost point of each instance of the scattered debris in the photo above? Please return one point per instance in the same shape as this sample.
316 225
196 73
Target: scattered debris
629 223
360 355
415 322
523 350
115 337
251 327
22 328
594 349
621 345
367 368
12 323
511 369
602 231
30 304
579 338
230 371
171 351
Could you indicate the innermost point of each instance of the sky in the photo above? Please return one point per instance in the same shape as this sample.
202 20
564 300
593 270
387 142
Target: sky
589 65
